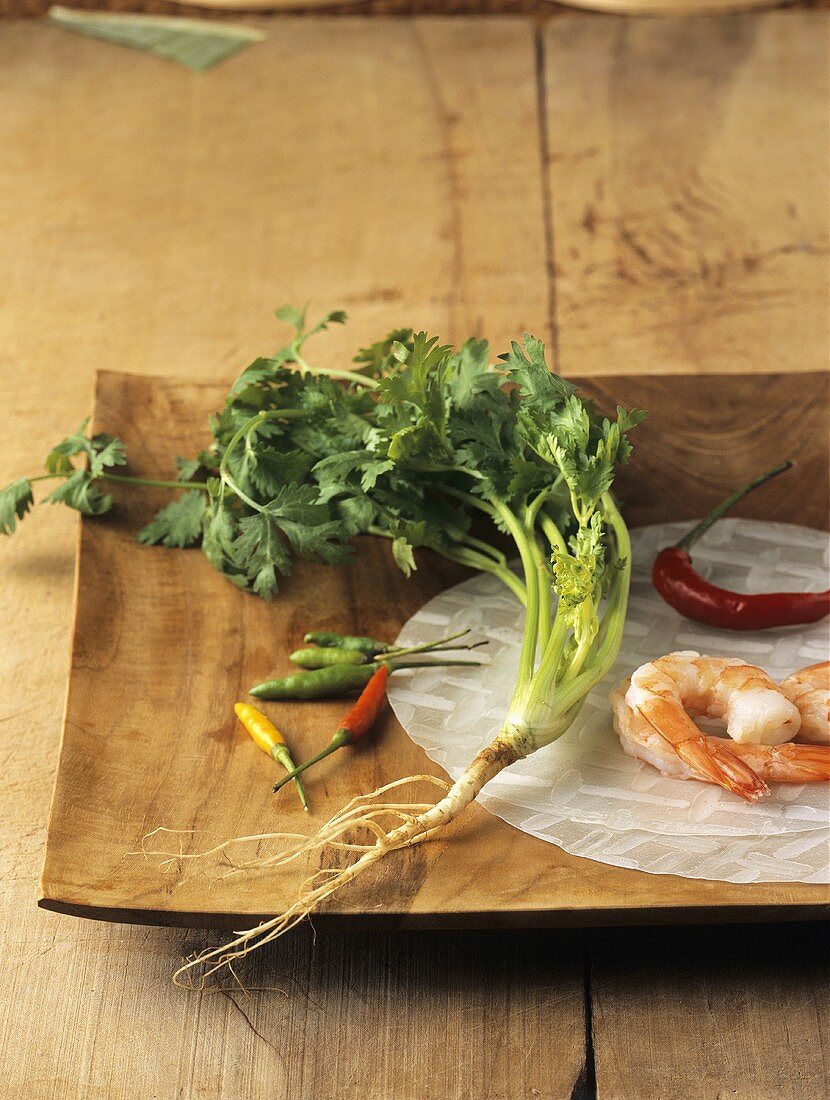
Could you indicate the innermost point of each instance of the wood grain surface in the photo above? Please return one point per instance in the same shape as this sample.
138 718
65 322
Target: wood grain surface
163 648
730 1032
706 435
215 199
690 221
149 220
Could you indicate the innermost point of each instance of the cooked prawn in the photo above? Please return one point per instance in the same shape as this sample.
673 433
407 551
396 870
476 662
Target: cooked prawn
787 763
809 690
666 691
750 702
686 753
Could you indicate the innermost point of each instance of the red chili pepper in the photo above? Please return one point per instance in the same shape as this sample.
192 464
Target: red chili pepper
681 586
361 717
355 725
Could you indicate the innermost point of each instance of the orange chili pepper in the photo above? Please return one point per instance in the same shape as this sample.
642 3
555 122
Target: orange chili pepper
355 725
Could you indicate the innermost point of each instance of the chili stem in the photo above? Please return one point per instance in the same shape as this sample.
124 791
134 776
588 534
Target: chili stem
425 647
725 505
394 665
281 754
341 738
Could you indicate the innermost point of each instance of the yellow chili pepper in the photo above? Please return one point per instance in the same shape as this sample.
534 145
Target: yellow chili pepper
267 737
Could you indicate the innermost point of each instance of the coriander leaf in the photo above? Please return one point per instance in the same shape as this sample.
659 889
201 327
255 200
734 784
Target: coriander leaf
102 450
106 450
420 447
403 555
219 531
306 523
423 382
57 463
378 359
79 491
527 368
355 514
264 583
260 371
629 418
320 542
472 374
259 549
338 472
189 467
292 316
177 524
626 420
526 477
297 318
270 470
298 503
336 317
481 446
15 501
74 444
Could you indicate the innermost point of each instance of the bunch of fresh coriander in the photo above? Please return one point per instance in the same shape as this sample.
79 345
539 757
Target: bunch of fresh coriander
412 444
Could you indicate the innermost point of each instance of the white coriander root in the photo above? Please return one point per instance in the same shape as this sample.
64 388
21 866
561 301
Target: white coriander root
417 822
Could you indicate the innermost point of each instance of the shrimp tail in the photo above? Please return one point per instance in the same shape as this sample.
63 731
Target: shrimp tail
789 763
722 766
708 759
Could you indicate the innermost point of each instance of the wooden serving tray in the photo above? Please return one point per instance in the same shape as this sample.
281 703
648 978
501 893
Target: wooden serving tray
163 647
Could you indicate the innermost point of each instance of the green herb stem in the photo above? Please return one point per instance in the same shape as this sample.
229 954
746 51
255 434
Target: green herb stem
243 432
124 479
544 581
479 562
614 618
472 559
553 534
484 547
532 510
580 656
468 498
527 657
345 375
544 682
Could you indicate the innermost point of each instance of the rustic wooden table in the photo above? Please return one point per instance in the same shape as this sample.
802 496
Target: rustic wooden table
652 195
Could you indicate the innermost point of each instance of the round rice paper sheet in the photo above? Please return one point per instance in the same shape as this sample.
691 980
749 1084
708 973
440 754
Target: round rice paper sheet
582 792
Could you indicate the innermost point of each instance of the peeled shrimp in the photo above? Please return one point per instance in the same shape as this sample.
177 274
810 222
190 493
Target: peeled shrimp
683 753
787 763
809 690
666 691
751 703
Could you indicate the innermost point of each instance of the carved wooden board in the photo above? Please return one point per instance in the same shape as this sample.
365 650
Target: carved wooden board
163 647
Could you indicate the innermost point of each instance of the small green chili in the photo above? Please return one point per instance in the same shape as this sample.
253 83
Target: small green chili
323 683
318 657
346 641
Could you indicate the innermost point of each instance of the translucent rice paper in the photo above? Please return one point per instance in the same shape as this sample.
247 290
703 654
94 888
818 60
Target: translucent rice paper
583 793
